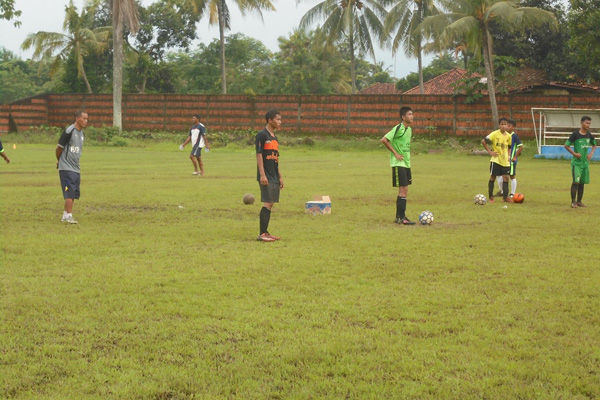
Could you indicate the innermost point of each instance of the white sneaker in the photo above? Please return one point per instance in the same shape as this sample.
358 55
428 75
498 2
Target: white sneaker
68 219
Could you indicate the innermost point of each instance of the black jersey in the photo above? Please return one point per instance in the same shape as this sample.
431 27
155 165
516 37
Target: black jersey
268 146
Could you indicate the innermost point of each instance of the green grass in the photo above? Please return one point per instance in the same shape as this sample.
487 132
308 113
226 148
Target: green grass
162 292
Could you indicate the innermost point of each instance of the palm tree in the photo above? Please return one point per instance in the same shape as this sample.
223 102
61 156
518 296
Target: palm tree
469 22
123 12
79 39
404 18
351 20
218 12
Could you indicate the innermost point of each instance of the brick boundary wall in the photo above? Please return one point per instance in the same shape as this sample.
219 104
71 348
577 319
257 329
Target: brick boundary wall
347 114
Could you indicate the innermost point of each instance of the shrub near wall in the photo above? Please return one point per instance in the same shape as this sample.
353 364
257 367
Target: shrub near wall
354 115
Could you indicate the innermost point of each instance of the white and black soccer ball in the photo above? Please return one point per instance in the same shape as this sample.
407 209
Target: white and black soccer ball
480 199
426 218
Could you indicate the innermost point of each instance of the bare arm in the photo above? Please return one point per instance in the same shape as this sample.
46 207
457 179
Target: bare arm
187 140
487 148
261 170
591 153
388 145
206 141
576 155
518 153
59 151
280 177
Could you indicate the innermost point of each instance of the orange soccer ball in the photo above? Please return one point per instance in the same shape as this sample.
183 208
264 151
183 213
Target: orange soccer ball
519 198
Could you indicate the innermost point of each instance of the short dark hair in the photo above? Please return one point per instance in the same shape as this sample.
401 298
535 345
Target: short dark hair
503 119
197 116
586 118
512 122
272 113
404 110
79 112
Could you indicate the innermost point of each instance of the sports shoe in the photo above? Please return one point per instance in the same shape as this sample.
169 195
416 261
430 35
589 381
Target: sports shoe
273 237
264 237
509 200
580 204
195 173
68 219
498 193
404 221
491 200
511 195
574 205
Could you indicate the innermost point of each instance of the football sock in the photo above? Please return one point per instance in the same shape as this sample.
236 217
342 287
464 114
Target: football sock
65 214
580 192
400 207
491 189
504 190
265 216
513 184
499 180
574 192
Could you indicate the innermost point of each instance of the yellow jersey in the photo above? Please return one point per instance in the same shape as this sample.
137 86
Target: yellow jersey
500 144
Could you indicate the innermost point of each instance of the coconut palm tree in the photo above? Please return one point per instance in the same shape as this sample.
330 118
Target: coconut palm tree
124 12
404 19
470 22
79 39
218 13
352 20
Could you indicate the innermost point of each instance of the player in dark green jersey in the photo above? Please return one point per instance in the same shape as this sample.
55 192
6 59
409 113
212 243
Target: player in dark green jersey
581 140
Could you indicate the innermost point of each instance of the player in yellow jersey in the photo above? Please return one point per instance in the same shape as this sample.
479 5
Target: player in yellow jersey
500 142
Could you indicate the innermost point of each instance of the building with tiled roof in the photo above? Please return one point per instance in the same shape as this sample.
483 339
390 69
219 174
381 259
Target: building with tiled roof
526 80
381 88
441 84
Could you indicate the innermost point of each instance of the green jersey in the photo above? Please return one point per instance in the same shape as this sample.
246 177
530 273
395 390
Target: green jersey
399 138
581 144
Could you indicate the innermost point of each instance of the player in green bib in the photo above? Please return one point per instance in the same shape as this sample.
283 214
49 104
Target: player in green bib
581 140
397 141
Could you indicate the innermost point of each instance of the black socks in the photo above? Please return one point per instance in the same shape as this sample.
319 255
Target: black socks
265 216
400 207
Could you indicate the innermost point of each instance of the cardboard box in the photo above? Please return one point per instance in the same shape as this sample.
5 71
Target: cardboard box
319 206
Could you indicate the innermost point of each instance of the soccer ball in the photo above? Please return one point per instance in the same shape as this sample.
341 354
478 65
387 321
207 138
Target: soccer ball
519 198
479 199
248 198
426 218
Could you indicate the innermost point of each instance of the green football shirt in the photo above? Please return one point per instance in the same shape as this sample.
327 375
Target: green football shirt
581 144
399 138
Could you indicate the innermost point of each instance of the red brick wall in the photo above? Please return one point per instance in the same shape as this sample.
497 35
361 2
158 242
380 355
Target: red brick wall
358 114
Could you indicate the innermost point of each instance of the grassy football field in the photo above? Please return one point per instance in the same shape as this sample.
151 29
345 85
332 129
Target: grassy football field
162 292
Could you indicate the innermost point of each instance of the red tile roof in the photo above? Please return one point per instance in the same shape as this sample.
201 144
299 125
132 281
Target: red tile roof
581 85
441 84
381 88
525 79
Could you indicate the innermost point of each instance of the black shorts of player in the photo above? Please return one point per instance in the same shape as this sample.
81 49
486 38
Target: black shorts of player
269 193
69 182
498 170
196 151
513 169
401 176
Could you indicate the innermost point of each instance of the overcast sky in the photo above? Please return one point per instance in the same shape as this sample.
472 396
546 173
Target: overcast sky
48 15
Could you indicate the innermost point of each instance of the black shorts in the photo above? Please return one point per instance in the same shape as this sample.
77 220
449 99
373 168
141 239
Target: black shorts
401 176
269 193
498 170
69 182
196 151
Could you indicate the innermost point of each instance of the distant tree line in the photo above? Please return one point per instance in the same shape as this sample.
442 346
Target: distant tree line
329 53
